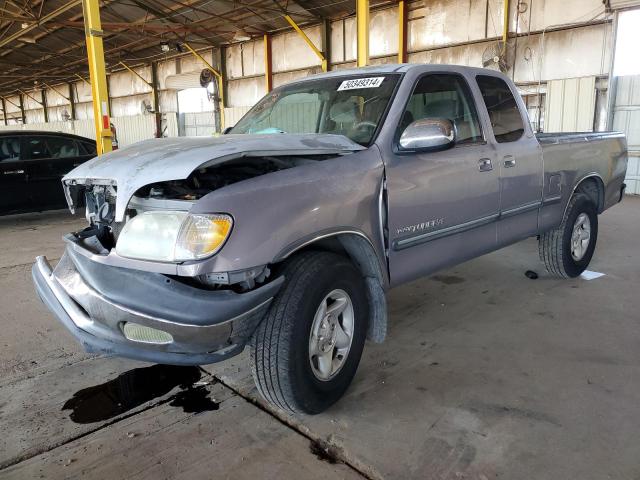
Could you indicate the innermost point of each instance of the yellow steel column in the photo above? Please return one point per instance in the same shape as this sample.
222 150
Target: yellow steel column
362 23
402 31
319 54
97 74
218 76
268 74
505 25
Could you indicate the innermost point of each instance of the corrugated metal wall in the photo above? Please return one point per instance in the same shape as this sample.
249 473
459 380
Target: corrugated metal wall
570 105
626 118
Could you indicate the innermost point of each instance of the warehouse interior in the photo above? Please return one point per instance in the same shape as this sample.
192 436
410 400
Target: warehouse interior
487 372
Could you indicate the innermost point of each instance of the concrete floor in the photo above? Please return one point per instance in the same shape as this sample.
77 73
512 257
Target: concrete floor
485 374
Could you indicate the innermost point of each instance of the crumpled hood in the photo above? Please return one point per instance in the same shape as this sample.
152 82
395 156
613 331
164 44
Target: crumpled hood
164 159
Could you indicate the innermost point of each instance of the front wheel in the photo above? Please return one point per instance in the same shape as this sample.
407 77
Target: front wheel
305 352
567 250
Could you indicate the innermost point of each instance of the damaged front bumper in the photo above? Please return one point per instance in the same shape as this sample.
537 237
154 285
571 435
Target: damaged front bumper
148 316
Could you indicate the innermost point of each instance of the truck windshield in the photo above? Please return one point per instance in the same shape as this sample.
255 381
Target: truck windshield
352 106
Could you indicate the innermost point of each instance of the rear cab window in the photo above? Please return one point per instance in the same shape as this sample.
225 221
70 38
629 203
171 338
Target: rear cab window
10 149
504 114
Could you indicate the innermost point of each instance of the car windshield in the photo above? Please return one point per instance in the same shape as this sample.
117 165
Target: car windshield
352 106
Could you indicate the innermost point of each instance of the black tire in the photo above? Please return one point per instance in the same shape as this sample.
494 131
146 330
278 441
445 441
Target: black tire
554 246
280 345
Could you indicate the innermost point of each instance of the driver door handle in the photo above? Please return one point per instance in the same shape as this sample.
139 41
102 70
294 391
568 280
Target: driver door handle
485 165
509 161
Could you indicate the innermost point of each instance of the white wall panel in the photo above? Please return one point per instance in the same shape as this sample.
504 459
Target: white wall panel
445 22
129 105
553 13
126 83
286 77
627 119
578 52
232 115
289 51
165 68
383 32
624 3
570 105
168 101
134 128
244 92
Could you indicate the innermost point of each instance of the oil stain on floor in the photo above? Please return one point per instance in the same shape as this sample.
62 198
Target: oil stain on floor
132 389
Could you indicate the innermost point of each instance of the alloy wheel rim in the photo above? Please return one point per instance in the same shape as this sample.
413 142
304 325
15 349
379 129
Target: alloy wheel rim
580 237
331 335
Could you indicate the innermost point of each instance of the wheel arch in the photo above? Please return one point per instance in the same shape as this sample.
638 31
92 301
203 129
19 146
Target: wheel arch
592 186
360 250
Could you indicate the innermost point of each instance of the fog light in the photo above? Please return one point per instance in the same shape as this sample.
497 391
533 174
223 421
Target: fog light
140 333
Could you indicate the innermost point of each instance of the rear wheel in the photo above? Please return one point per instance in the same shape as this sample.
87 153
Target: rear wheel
567 250
305 352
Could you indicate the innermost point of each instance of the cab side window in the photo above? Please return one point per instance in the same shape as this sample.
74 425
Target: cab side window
9 149
87 148
61 147
445 96
502 107
37 148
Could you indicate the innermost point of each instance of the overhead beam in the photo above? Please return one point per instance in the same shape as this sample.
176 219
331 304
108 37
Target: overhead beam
362 26
97 73
45 18
319 54
402 31
268 74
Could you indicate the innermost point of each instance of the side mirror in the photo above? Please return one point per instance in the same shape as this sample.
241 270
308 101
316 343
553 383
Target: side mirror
226 130
428 134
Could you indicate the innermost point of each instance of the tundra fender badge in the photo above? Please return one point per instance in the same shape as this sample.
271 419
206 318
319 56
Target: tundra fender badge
420 227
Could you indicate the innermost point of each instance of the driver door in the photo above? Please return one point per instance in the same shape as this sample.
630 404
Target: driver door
443 205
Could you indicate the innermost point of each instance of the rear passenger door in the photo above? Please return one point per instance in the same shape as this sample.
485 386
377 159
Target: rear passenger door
519 160
14 195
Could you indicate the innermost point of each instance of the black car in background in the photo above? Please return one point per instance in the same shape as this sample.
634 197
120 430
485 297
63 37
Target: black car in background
32 164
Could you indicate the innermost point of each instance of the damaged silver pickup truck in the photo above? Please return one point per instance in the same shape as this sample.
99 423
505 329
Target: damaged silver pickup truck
285 233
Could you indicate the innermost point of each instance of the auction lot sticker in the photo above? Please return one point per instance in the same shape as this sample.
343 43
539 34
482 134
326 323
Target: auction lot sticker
369 82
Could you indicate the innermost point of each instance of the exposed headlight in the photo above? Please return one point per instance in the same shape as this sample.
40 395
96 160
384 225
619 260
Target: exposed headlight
173 236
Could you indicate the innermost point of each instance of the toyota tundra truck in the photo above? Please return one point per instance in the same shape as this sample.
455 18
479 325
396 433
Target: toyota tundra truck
284 233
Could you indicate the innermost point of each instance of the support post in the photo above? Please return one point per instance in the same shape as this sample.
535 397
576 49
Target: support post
319 54
362 24
72 102
325 39
44 105
156 98
505 25
218 76
97 74
402 31
268 75
22 114
4 112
